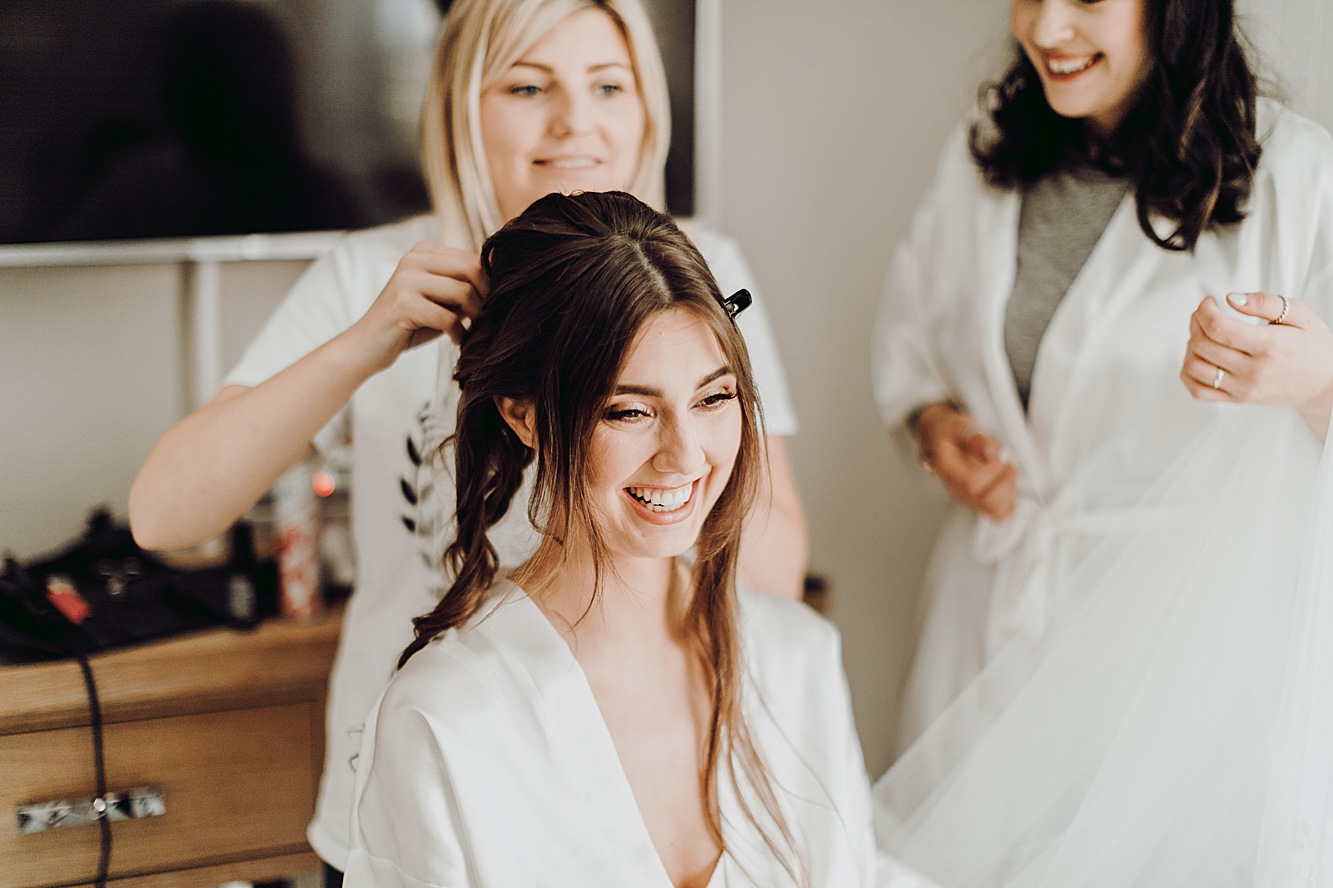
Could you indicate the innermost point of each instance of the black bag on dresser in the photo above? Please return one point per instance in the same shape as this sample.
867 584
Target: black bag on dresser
104 591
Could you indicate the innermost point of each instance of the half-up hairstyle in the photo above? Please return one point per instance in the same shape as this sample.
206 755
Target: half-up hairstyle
1188 144
573 280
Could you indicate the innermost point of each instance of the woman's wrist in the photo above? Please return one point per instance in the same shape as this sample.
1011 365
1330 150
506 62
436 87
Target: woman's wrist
359 353
918 414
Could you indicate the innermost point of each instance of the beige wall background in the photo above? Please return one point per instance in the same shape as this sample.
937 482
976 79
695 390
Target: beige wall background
831 117
831 125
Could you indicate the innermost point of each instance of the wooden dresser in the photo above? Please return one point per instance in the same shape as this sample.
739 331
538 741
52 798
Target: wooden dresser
228 725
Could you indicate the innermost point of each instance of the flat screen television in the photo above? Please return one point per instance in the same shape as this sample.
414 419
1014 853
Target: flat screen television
149 119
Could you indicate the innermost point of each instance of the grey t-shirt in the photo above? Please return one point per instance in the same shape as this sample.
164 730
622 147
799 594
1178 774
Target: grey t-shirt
1063 216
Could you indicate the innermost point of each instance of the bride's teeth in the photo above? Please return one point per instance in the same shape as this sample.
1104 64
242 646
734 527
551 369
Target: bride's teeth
659 500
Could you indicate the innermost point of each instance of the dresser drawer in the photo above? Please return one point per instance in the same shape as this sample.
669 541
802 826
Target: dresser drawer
238 784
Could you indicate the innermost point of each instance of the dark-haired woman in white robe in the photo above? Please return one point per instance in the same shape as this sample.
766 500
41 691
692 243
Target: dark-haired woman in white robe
1124 673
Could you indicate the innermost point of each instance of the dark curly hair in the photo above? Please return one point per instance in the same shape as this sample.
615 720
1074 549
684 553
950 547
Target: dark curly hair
1188 144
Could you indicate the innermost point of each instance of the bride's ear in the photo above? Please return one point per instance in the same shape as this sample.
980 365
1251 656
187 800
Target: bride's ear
520 417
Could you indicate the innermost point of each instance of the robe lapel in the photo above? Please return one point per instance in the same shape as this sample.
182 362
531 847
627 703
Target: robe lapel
1074 320
997 239
1137 292
621 851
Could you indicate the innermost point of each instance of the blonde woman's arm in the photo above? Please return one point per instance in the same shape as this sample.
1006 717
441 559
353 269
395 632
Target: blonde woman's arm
218 461
775 543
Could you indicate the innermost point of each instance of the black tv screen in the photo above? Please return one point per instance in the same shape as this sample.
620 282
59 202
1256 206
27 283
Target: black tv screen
147 119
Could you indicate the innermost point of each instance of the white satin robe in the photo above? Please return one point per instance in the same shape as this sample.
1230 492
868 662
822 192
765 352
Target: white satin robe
487 764
1107 415
1128 683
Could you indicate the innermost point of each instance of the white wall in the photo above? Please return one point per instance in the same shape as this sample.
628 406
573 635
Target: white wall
91 376
88 380
832 117
1295 43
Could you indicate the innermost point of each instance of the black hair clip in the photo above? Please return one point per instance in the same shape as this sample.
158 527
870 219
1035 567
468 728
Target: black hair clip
737 302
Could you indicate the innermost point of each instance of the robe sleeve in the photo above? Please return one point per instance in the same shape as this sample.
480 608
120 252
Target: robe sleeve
905 371
801 712
1319 286
407 830
854 798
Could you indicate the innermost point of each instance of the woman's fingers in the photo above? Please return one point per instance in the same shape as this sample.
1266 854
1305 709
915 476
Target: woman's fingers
1211 324
434 290
453 277
1204 381
977 444
431 320
1287 358
1268 307
1205 356
443 304
969 465
989 487
1001 497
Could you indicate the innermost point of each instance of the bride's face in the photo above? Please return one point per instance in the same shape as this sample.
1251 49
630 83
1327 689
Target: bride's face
664 448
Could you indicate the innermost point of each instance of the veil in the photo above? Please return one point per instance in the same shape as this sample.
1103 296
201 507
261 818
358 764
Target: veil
1174 725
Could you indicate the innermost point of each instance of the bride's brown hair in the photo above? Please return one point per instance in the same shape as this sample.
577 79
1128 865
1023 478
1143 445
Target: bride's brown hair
573 279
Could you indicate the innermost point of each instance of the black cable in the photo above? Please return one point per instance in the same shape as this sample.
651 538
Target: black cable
99 767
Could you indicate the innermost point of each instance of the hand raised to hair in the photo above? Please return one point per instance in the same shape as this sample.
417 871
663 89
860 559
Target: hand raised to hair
434 291
1290 363
968 462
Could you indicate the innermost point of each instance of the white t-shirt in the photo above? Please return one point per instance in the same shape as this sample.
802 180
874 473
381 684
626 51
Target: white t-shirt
487 764
393 581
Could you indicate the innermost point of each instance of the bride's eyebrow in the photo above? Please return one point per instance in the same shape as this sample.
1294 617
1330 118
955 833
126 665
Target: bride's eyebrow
645 391
715 375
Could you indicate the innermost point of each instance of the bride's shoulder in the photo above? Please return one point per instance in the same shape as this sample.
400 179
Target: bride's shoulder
778 629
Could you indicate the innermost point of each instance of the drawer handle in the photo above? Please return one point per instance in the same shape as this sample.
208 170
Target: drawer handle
142 801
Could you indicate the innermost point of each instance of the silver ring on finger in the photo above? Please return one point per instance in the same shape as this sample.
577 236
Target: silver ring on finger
1218 377
1286 305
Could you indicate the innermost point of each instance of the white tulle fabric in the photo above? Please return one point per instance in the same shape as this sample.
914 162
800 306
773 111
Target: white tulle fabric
1173 723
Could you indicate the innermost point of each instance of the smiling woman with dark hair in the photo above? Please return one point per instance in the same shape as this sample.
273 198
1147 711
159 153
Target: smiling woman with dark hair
1179 126
1123 170
1107 338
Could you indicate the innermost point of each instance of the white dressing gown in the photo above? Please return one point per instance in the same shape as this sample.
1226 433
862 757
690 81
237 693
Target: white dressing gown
393 583
1127 683
487 763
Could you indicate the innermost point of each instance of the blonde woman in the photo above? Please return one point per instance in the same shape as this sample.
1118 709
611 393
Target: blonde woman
527 97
